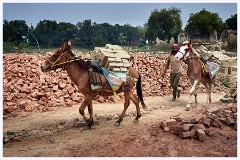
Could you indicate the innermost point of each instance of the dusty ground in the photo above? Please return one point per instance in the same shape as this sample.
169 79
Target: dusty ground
55 134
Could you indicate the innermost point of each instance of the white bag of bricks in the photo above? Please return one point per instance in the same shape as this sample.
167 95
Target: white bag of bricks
112 57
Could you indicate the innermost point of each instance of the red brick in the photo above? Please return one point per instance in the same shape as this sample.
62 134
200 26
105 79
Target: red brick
211 116
213 110
185 134
24 89
206 122
196 119
166 129
176 129
201 135
184 121
171 122
163 124
179 118
222 120
230 121
199 126
55 88
227 111
186 127
211 132
217 123
101 99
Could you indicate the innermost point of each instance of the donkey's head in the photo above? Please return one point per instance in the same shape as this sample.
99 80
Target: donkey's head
184 50
59 59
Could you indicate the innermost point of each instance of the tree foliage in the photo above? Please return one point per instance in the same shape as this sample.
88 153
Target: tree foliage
203 23
46 32
49 33
164 24
232 22
15 31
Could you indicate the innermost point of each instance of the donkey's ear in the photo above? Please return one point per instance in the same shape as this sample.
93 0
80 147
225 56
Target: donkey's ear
190 42
69 43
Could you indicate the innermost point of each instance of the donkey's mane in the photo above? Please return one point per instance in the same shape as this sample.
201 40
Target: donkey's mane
65 48
84 64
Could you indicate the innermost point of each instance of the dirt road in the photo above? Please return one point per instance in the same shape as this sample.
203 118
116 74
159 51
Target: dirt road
59 134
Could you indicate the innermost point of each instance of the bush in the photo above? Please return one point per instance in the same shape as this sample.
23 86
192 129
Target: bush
8 47
225 81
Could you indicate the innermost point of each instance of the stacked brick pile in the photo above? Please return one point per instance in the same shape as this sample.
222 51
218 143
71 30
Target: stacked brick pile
151 68
26 88
112 57
199 126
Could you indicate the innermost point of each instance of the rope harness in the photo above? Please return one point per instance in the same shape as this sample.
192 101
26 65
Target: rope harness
53 64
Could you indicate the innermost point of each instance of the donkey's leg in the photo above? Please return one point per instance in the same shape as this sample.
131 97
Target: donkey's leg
82 108
195 82
136 102
90 111
193 86
195 95
208 89
126 104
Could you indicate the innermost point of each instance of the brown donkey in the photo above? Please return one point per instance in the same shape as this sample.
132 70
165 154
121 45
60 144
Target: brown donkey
195 72
78 71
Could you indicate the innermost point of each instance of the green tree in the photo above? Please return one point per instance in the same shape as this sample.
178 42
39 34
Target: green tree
109 33
204 23
164 24
66 31
99 35
141 32
232 22
15 31
49 33
122 38
46 32
85 33
128 33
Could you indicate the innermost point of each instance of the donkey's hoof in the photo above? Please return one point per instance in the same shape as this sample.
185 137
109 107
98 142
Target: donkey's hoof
90 123
119 120
87 127
135 121
138 116
117 124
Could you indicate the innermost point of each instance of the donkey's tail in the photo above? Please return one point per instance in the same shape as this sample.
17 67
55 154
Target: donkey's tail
139 91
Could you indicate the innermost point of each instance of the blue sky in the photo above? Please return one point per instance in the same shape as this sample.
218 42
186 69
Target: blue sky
113 13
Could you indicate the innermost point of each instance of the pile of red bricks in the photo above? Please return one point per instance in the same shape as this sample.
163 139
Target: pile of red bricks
151 68
199 126
27 88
